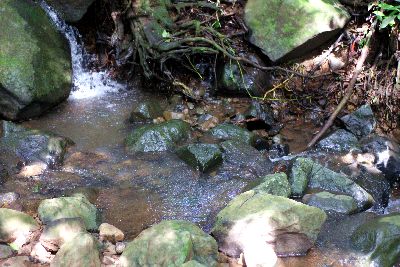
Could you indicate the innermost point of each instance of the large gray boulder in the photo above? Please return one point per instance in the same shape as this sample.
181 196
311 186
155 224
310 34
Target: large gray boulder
70 10
285 29
171 243
35 61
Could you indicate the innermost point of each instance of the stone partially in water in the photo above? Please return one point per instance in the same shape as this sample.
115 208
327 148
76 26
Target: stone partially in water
71 10
339 141
331 202
361 122
5 251
82 250
285 29
70 207
35 62
146 111
254 221
201 156
171 243
309 174
110 233
158 137
15 224
227 131
275 184
380 238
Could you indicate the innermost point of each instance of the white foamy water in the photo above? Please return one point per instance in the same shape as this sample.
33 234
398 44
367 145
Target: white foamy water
86 83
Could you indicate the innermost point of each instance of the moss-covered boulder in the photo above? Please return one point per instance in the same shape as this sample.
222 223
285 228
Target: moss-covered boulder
257 220
228 131
82 250
14 223
70 10
331 202
157 137
380 238
275 184
203 157
289 28
35 62
308 174
70 207
171 243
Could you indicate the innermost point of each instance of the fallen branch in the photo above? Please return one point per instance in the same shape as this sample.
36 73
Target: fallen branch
349 89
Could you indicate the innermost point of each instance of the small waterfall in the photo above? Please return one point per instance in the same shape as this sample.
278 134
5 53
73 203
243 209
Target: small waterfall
86 83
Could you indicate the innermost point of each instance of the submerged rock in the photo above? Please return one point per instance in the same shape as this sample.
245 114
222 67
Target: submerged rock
287 29
309 174
158 137
5 251
339 141
110 233
70 207
203 157
171 243
275 184
15 224
82 250
227 131
146 111
71 10
331 202
361 122
380 238
35 61
256 221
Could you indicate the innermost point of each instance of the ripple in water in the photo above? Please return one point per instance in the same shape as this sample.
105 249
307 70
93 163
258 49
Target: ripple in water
86 83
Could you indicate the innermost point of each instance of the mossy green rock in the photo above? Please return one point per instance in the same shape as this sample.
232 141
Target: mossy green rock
171 243
289 28
35 62
201 156
70 207
275 184
82 250
258 217
14 223
331 202
380 238
227 131
158 137
308 174
71 10
146 111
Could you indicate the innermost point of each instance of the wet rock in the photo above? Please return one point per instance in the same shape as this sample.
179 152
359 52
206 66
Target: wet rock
35 75
361 122
5 251
243 161
60 231
8 198
288 29
339 141
170 115
18 261
207 121
69 207
203 157
387 155
227 131
159 137
254 221
146 112
110 233
171 243
278 151
261 112
331 202
82 250
15 225
32 146
275 184
380 238
239 79
40 254
71 10
309 174
119 247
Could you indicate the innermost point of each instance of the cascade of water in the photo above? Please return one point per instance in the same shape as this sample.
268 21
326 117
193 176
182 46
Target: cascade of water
86 83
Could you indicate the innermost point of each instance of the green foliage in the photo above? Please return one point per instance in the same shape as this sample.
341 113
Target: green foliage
386 14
